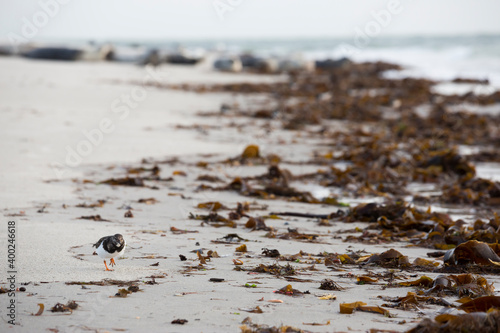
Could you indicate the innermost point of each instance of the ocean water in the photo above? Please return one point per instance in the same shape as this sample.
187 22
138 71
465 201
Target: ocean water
439 58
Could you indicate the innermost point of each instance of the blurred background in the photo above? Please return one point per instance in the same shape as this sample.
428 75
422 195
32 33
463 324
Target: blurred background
100 49
438 39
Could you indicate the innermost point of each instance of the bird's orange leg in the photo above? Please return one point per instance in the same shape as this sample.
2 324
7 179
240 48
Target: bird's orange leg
107 266
112 261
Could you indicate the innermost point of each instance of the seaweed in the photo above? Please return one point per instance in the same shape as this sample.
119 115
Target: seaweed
469 322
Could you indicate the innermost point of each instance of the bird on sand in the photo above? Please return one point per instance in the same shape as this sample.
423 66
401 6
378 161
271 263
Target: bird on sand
110 247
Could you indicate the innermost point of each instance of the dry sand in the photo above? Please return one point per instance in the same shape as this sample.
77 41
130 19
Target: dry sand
46 105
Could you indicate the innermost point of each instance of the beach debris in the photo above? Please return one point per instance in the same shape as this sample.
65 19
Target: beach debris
126 181
414 301
317 324
212 254
128 214
123 293
336 259
461 285
372 212
271 185
257 223
481 304
179 321
249 327
328 284
472 285
425 263
257 309
96 218
42 209
151 256
294 279
148 201
275 269
389 258
68 307
423 281
289 291
212 206
216 280
182 257
177 231
104 282
41 307
294 234
153 278
488 322
133 288
436 254
209 178
203 259
331 297
155 170
251 151
419 160
348 308
240 211
72 305
474 252
230 239
214 219
20 213
241 248
100 203
364 279
271 253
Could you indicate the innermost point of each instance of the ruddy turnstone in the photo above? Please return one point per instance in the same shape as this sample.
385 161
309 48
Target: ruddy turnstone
110 247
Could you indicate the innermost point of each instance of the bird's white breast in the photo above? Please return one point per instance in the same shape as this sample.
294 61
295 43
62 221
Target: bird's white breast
104 254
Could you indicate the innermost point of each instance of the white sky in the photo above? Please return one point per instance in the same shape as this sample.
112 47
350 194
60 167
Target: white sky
197 19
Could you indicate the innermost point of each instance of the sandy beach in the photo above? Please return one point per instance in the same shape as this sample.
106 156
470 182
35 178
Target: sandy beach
50 111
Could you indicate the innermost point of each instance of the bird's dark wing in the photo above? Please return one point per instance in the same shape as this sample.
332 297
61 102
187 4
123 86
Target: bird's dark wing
96 245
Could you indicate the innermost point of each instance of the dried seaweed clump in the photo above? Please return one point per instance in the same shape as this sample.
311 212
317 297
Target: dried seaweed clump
484 322
250 327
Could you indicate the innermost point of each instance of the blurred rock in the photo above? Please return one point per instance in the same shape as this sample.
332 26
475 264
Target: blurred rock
228 64
332 64
53 53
